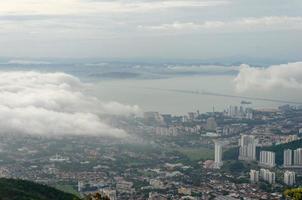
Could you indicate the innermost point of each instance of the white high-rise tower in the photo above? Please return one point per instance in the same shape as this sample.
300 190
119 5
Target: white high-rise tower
268 176
287 157
218 155
247 149
254 176
298 157
289 178
267 159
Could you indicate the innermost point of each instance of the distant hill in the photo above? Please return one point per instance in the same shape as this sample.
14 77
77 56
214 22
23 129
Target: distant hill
11 189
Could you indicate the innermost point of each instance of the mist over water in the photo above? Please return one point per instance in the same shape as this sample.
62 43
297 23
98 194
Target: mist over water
128 83
136 92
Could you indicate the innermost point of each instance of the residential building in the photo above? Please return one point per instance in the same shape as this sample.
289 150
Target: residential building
267 159
289 178
254 176
298 157
218 155
247 149
268 176
287 157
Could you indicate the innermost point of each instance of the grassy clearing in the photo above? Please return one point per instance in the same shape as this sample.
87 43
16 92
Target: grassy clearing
196 154
68 189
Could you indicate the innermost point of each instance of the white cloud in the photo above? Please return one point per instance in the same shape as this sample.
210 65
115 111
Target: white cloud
54 104
276 76
28 62
82 19
54 7
244 24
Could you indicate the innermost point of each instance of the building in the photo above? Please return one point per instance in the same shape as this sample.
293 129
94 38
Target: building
152 118
268 176
218 155
298 157
211 124
124 187
80 186
254 176
221 197
247 149
289 178
58 158
239 112
184 191
208 164
157 184
166 131
291 138
287 158
156 196
267 159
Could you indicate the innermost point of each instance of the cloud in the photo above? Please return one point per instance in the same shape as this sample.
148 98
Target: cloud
276 76
243 24
54 7
54 104
28 62
83 19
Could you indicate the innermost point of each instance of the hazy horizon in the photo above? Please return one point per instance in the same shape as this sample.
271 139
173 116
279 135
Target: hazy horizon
152 29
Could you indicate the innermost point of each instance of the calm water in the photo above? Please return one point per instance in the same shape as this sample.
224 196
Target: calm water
135 92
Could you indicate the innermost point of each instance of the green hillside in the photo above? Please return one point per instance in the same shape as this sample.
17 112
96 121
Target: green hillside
232 153
11 189
278 149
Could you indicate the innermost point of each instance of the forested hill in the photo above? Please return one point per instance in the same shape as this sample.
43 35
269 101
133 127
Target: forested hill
11 189
233 153
278 149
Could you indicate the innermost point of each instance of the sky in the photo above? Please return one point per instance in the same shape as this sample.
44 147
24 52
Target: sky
151 29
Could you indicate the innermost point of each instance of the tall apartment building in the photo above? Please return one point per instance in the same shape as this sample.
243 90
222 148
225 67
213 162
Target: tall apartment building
254 176
268 176
218 155
211 124
267 159
287 157
289 178
298 157
247 149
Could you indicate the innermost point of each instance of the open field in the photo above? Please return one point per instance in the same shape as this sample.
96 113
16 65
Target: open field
68 189
195 154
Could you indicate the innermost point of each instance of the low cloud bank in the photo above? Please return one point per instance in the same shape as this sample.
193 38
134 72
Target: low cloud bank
243 24
215 69
54 104
28 62
276 76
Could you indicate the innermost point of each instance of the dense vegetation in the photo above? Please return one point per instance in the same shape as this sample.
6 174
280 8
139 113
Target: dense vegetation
231 154
293 194
11 189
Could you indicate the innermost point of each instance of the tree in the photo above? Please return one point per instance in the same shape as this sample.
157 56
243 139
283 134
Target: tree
293 194
96 196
